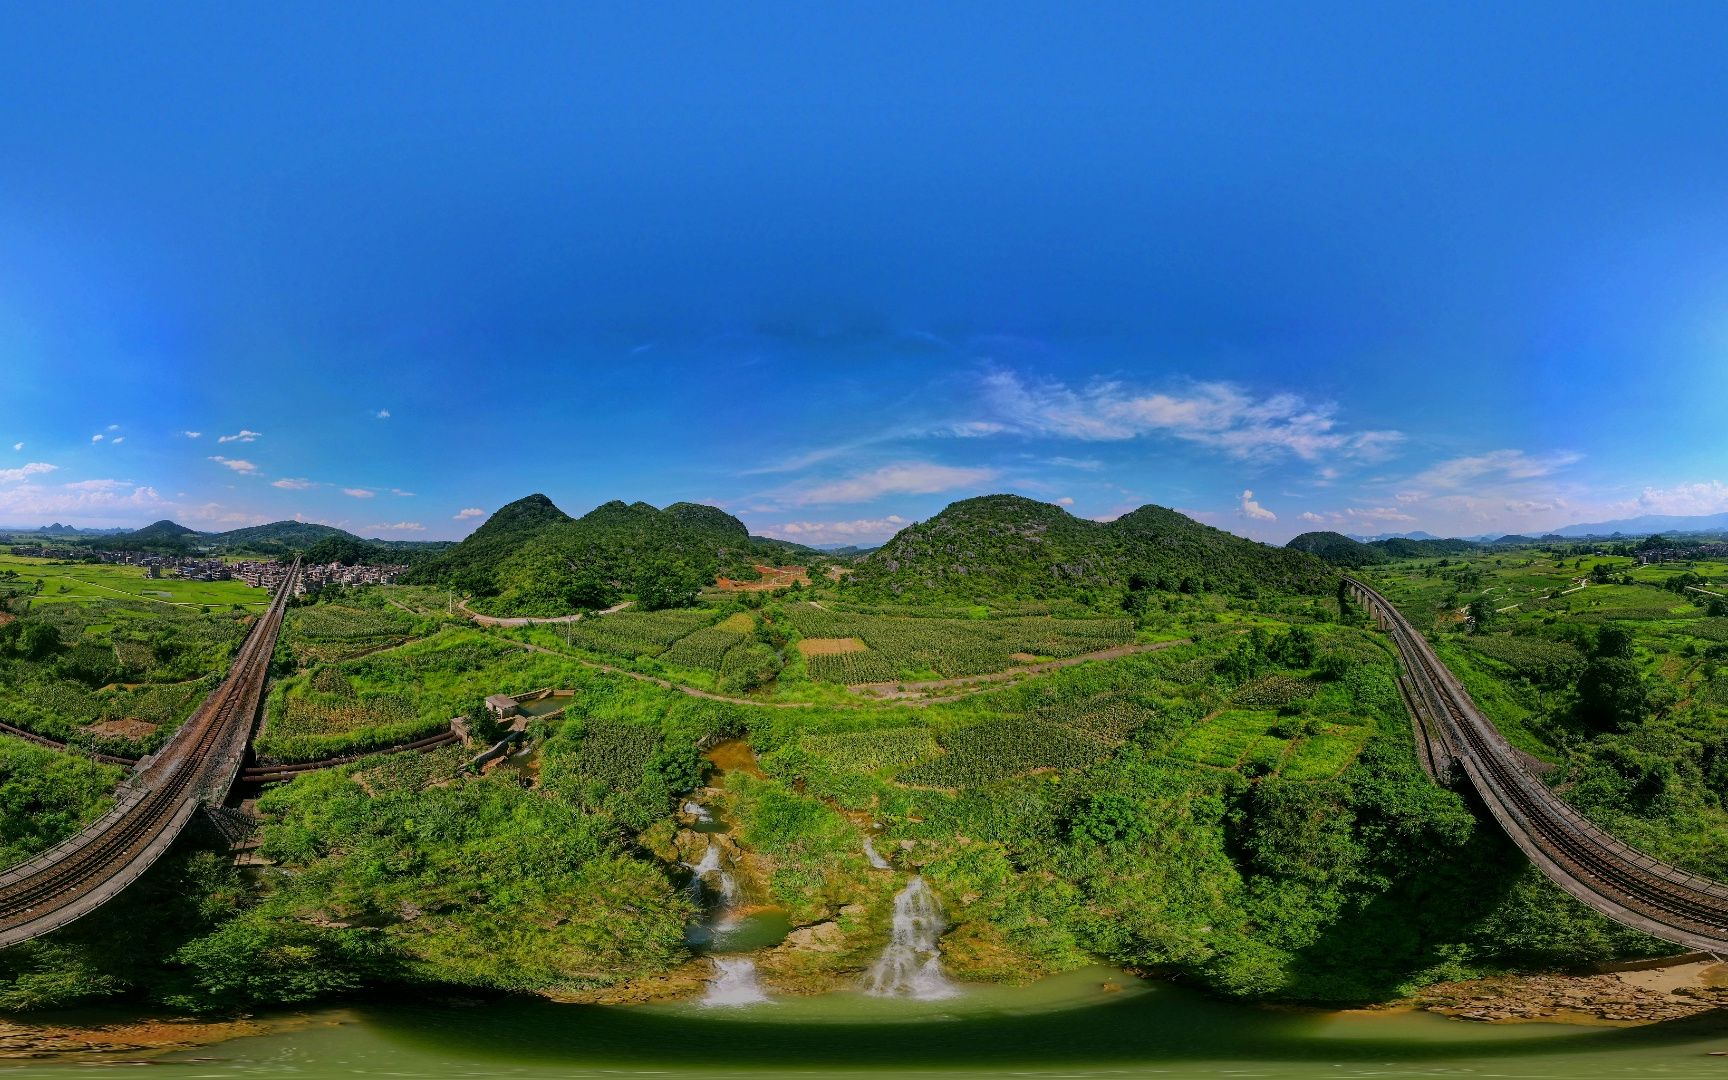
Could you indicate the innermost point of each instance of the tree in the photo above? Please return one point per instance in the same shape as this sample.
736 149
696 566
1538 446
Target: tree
1614 641
1612 694
663 584
1481 614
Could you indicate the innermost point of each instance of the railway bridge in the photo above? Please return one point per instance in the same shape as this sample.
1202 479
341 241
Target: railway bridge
195 768
1620 882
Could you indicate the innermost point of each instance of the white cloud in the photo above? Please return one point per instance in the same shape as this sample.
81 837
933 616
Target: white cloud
1708 497
243 435
17 446
400 526
469 512
1089 464
34 468
401 494
96 438
88 502
193 434
1210 413
293 483
113 427
905 478
1496 465
1065 500
239 465
118 439
382 414
866 530
358 493
1253 510
1309 515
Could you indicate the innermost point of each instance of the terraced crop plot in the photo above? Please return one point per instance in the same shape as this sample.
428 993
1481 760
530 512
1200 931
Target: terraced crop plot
636 633
1266 744
999 749
877 751
327 632
951 648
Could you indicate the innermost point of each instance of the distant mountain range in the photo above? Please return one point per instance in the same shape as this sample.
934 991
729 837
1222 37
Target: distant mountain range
1647 524
1418 535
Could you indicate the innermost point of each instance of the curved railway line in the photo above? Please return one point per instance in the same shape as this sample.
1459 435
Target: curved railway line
197 765
1620 882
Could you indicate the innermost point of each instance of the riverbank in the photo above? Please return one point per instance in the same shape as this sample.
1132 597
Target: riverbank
1647 996
96 1037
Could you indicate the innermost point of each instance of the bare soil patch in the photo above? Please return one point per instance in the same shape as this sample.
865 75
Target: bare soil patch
6 617
1023 657
831 646
773 577
130 727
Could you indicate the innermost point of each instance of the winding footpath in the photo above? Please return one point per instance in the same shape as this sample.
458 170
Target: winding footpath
1614 879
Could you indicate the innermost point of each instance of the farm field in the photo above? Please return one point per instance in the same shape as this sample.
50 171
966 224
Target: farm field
111 674
1614 673
45 581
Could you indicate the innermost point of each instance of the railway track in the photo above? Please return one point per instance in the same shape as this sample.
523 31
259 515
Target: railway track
198 764
1590 864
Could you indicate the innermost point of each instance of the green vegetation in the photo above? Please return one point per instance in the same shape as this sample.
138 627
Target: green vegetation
111 675
1338 549
1006 546
28 583
1242 808
1614 671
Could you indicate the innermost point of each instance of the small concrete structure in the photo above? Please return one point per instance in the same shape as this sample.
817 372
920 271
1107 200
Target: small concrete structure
502 705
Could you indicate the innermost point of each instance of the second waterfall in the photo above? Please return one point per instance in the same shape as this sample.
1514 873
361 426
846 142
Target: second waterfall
911 965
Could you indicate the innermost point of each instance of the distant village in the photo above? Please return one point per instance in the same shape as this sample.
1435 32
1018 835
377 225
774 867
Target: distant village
259 575
1682 554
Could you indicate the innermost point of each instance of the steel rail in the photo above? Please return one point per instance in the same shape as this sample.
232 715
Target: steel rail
83 872
1583 859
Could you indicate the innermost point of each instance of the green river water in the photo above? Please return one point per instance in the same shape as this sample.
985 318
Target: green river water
1068 1026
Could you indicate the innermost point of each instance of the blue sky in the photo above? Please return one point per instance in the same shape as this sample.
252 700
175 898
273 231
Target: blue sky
1461 268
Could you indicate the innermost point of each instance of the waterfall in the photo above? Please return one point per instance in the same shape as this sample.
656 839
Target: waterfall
698 811
877 862
710 864
734 984
911 965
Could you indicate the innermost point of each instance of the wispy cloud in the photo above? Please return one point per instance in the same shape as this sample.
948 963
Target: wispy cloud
239 465
243 435
399 493
1252 509
1496 465
1209 413
193 434
904 478
400 526
859 530
17 446
117 440
358 493
113 427
468 512
96 438
294 483
34 468
382 414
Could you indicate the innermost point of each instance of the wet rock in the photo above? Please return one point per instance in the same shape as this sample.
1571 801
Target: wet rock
824 937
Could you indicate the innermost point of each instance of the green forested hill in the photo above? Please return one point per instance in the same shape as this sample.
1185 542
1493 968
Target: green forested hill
532 558
472 565
1338 549
1009 546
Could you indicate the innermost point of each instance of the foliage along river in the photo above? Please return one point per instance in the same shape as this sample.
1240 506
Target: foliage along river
1068 1026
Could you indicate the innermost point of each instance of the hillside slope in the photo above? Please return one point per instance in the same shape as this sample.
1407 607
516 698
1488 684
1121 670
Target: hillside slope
1010 546
1338 549
472 565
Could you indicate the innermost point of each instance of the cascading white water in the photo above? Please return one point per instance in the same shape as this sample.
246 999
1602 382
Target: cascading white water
698 811
911 965
877 862
734 984
710 865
